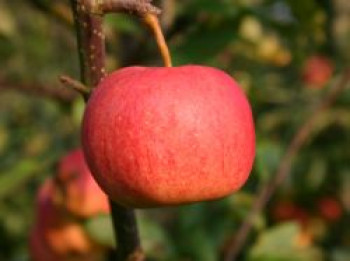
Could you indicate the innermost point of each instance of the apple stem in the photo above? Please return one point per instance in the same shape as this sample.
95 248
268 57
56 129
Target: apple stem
152 21
299 139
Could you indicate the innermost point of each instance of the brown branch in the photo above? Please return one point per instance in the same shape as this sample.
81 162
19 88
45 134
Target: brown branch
52 92
138 7
75 85
88 16
91 44
124 222
284 167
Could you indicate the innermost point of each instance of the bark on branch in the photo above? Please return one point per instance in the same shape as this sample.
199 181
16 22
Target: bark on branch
101 7
88 18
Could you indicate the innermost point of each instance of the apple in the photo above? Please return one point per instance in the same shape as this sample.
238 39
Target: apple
81 194
167 136
317 71
60 233
330 209
287 210
40 251
38 248
73 194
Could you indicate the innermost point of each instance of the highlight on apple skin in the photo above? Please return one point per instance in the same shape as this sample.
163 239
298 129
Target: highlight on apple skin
167 136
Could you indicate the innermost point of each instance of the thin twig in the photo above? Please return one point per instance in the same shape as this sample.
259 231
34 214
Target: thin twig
284 167
54 92
75 85
137 7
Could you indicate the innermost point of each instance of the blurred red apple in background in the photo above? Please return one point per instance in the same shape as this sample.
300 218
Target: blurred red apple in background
287 211
317 71
82 196
56 228
165 136
72 195
39 250
330 209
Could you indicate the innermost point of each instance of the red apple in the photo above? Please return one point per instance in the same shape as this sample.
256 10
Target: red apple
38 248
330 209
41 251
59 233
317 71
82 196
287 210
167 136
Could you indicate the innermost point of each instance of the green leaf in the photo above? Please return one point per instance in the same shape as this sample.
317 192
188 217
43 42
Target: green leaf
78 110
100 229
280 243
268 156
124 23
340 254
21 172
221 7
154 239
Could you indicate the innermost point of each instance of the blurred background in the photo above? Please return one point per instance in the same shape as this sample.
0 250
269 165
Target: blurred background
286 54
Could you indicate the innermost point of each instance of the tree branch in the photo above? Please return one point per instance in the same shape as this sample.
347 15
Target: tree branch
54 92
74 84
91 44
142 8
284 167
137 7
124 223
88 16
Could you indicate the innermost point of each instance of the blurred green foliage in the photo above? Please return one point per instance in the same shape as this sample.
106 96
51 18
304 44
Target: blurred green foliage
263 44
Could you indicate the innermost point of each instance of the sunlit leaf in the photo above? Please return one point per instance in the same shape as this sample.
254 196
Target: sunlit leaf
280 243
100 229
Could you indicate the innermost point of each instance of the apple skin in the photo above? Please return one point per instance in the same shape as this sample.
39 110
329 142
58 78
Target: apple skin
81 194
166 136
